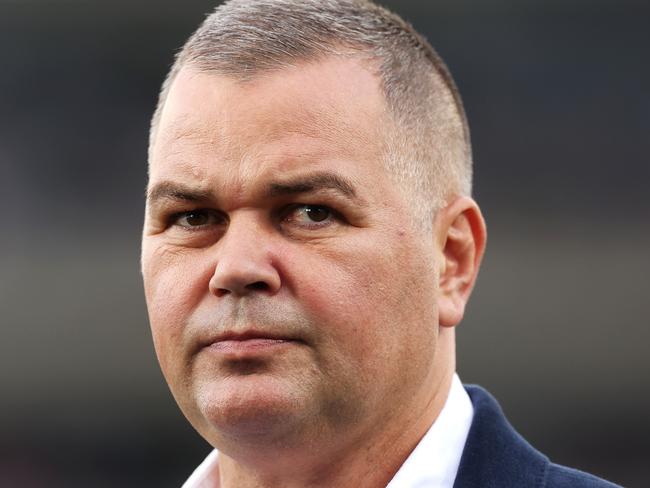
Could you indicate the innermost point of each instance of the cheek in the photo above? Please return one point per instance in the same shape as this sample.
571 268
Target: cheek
172 288
368 303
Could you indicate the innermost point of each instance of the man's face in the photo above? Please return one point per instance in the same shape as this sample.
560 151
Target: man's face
288 291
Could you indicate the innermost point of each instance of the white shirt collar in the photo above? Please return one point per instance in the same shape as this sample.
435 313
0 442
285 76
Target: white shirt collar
434 461
201 474
432 464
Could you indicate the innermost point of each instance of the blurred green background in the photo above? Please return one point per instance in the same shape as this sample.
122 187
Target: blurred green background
558 97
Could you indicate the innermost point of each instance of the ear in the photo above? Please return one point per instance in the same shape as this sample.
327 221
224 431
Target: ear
461 236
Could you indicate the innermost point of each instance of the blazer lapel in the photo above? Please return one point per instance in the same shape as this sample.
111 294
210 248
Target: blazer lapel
495 455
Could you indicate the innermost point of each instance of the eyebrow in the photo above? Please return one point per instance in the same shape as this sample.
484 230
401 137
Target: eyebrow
169 190
311 183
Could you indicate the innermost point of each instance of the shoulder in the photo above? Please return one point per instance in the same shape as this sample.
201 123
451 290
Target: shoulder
563 477
496 455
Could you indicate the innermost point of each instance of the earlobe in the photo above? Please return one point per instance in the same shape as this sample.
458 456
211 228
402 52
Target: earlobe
462 235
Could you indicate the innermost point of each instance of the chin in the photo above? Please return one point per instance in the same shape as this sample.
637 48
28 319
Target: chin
253 406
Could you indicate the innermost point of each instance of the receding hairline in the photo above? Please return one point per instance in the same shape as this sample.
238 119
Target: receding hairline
429 147
318 80
337 49
191 67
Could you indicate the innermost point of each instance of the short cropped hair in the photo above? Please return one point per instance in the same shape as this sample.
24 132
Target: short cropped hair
428 147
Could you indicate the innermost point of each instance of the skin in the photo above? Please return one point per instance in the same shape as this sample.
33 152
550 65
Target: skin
270 214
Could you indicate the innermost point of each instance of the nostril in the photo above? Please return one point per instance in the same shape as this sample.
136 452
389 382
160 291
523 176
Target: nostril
258 285
221 292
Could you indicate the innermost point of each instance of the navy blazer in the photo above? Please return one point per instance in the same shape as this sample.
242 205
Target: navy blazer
496 456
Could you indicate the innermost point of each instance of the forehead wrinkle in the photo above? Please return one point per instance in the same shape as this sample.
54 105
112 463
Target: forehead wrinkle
327 134
321 123
319 115
240 138
184 150
185 131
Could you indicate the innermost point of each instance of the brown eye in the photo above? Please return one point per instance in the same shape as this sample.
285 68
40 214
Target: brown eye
316 213
310 216
196 218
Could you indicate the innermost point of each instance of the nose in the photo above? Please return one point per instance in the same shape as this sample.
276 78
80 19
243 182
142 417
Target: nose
244 262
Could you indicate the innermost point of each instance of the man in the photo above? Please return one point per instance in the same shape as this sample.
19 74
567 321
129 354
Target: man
310 243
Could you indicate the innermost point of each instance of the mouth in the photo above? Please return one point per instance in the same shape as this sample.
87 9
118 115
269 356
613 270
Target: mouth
250 344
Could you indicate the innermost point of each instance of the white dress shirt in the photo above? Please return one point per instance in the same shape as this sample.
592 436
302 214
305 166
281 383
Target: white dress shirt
432 464
434 461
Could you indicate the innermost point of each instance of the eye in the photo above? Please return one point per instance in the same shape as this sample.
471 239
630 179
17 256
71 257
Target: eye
309 215
315 213
196 219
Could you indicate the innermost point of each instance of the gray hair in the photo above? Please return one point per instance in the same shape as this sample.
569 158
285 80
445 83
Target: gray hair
428 147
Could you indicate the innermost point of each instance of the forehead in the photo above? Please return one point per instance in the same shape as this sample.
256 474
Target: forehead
332 108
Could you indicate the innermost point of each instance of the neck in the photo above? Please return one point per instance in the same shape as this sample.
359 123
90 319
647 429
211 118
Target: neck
363 459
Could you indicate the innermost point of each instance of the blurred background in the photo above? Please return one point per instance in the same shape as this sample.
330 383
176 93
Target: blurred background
558 97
